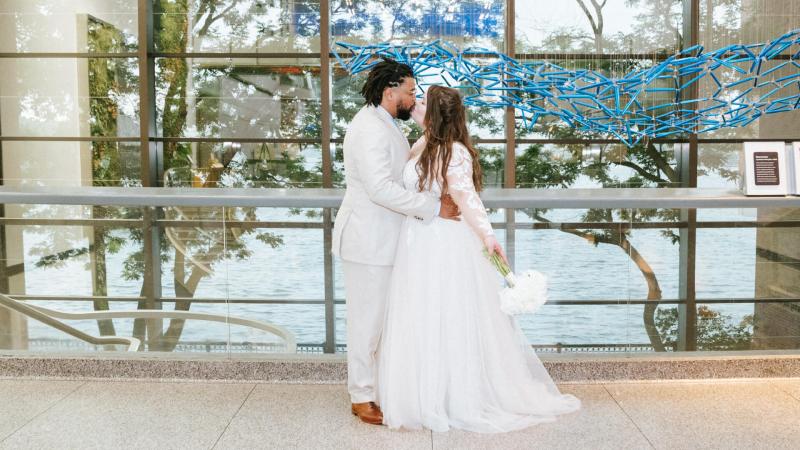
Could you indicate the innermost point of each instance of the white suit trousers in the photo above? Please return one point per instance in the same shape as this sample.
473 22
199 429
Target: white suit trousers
366 289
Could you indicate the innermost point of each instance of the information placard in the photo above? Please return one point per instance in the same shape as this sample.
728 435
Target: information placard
763 168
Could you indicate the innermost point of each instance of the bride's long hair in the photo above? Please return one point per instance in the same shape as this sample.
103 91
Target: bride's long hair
445 123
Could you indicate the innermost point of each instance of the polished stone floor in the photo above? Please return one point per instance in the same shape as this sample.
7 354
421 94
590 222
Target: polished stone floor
725 414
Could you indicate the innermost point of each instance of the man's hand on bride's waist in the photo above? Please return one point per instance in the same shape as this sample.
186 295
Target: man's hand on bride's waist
449 209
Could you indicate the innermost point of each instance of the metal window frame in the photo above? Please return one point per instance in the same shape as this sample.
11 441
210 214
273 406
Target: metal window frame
152 161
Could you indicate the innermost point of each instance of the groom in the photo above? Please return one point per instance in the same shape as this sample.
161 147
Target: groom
368 222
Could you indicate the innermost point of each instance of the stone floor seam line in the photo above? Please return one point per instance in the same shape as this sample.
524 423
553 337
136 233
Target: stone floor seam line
4 438
785 391
629 417
234 415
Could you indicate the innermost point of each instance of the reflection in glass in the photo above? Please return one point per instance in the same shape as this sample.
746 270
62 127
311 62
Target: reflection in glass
69 97
613 26
493 161
54 163
240 98
778 126
774 325
597 165
718 165
242 26
346 99
242 165
67 261
726 22
477 23
264 275
482 122
744 254
65 26
549 127
723 23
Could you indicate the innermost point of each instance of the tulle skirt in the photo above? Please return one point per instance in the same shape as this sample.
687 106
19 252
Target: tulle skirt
449 358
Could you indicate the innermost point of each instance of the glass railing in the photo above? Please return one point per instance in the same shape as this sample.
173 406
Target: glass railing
249 270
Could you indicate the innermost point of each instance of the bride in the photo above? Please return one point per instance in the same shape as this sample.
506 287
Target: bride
449 357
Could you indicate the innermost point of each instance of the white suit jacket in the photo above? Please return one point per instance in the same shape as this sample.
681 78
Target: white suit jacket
375 203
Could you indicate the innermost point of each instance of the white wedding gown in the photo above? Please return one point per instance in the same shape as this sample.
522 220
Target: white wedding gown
449 358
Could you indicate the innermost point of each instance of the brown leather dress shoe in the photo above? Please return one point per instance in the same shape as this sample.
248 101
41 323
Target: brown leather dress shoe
368 412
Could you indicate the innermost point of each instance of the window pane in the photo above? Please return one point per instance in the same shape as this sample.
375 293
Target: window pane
483 122
275 26
68 26
780 125
725 22
477 23
241 164
552 126
69 97
619 26
240 98
48 163
271 251
492 159
596 166
70 264
718 165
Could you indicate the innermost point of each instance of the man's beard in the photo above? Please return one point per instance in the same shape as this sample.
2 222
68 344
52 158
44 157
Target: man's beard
404 113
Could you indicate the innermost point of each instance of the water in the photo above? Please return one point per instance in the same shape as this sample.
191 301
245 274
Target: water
577 270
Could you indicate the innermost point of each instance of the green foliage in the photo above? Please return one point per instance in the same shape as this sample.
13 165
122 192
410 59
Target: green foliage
538 165
715 331
108 77
170 17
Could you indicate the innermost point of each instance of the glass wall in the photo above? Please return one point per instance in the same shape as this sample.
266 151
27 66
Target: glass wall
242 93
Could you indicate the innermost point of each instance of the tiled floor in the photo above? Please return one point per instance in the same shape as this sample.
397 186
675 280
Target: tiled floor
127 414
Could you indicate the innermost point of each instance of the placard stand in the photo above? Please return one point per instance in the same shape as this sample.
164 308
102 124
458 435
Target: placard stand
793 163
763 168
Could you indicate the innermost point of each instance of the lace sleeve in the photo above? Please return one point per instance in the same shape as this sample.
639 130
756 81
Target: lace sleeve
462 189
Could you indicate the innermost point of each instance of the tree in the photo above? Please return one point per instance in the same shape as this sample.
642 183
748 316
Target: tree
658 25
200 249
646 165
595 21
715 331
191 100
107 77
537 168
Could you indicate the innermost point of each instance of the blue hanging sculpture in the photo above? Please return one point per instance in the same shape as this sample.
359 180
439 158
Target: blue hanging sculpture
742 83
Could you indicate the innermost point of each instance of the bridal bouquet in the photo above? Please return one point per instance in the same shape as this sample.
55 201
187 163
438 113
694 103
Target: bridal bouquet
525 292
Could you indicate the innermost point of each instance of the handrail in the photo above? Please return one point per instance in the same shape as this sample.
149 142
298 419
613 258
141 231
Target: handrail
46 316
277 330
32 312
332 198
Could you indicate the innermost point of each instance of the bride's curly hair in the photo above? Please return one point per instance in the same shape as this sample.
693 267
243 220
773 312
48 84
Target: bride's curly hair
445 123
